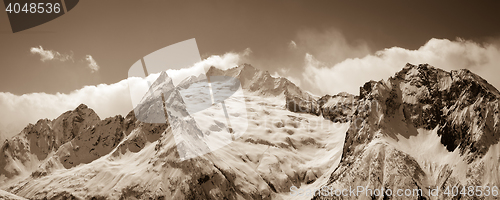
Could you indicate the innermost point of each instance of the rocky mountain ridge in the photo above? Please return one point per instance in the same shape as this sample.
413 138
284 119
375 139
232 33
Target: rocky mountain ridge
422 128
426 128
37 141
123 158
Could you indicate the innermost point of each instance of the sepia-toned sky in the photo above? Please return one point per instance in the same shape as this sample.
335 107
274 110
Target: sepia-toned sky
116 33
323 46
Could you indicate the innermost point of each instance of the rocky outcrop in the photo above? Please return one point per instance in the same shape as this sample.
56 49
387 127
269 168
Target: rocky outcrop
142 134
92 143
340 107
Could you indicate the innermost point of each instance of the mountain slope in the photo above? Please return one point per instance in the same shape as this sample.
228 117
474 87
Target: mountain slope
425 128
124 158
8 196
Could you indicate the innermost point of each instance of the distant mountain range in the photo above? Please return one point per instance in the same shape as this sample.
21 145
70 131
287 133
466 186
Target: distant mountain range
422 129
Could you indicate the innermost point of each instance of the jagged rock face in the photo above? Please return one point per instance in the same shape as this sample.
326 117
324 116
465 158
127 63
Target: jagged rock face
380 167
338 108
143 133
37 141
68 125
47 135
302 105
463 104
92 143
460 106
473 120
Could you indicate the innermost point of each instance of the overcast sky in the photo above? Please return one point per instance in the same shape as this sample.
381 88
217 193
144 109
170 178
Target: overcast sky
323 46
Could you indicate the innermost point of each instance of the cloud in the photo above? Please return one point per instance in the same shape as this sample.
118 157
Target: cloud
348 75
92 63
226 61
18 111
107 100
292 45
329 46
50 54
247 52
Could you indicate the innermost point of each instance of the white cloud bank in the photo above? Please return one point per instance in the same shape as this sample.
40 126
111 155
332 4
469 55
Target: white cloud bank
330 46
106 100
350 74
320 76
18 111
226 61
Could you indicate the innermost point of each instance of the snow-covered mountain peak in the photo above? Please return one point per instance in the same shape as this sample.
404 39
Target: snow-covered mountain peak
37 142
188 81
426 97
262 83
163 81
457 82
443 125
